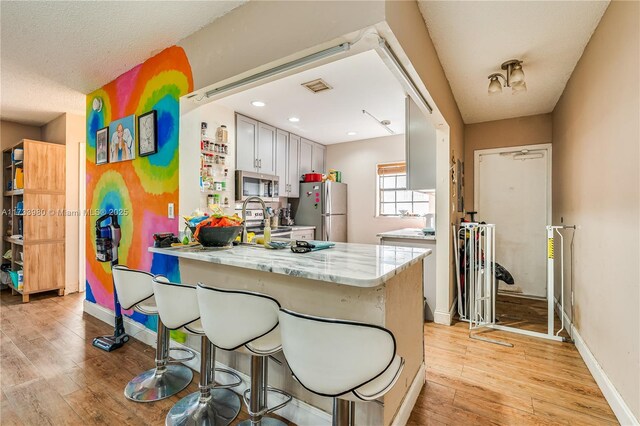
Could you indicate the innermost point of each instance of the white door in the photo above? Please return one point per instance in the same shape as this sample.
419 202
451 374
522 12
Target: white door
513 191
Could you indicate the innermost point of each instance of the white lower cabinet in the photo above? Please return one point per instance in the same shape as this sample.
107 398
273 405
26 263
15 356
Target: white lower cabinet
303 234
429 279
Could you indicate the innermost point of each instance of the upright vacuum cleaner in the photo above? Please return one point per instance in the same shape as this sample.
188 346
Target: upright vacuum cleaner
107 243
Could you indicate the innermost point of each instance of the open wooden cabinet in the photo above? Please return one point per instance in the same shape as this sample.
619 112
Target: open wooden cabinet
34 216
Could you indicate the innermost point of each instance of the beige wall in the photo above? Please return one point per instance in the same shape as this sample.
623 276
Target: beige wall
596 187
408 26
357 161
55 131
530 130
11 133
75 134
259 33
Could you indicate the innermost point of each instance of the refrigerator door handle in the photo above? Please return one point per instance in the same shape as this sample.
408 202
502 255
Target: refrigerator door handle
327 199
327 227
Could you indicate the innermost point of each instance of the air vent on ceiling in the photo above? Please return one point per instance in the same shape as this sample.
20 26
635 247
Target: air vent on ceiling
317 86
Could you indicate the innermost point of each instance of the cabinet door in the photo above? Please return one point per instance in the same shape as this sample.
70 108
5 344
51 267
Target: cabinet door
293 167
420 140
317 159
306 153
266 149
282 156
246 141
306 234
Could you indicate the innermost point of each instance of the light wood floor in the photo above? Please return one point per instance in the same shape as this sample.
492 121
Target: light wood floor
51 375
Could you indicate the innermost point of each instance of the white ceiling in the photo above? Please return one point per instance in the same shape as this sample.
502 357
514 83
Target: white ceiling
473 38
53 53
359 82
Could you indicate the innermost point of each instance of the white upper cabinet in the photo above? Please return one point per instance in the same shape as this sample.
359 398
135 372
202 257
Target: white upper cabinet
282 158
306 155
293 170
317 158
263 148
246 141
420 149
266 149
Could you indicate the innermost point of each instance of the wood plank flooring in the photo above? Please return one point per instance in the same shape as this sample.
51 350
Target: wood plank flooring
51 375
537 382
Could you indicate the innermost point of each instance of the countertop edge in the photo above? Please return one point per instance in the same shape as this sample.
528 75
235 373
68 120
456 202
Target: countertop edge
353 282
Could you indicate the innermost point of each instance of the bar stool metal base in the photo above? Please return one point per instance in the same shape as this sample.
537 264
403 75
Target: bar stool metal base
219 409
344 412
155 384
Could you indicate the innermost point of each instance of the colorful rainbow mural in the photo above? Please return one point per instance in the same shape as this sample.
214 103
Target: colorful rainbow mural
144 186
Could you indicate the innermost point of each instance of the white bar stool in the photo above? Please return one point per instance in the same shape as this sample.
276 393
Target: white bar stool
212 405
246 322
344 360
135 291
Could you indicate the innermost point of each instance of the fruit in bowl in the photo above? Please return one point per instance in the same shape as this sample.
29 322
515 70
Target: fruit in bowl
216 231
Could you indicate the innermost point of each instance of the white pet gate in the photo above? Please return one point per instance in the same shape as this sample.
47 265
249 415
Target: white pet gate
477 284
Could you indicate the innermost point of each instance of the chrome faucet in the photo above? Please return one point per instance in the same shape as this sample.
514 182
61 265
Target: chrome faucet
244 215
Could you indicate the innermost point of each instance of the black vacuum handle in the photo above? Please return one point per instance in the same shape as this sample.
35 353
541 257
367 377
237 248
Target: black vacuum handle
113 216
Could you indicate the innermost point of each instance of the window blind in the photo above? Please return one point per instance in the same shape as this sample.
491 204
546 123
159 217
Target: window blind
398 168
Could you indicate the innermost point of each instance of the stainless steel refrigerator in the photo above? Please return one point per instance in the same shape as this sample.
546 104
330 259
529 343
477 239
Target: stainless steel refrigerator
324 205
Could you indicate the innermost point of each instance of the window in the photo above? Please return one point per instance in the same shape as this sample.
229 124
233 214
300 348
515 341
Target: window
393 197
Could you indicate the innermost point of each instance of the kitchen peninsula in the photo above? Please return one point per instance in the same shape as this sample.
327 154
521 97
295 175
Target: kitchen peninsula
379 285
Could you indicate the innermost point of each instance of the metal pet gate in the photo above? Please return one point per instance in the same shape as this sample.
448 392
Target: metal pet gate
477 283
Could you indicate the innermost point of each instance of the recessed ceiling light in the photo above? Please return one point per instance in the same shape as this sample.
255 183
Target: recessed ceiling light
258 103
352 133
294 119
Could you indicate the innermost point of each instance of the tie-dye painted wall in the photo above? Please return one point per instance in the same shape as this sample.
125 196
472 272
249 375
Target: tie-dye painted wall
144 186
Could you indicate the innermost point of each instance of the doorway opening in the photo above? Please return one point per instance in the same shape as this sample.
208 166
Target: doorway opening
228 95
512 189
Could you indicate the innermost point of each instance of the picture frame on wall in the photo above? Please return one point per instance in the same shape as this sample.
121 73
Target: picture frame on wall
102 146
148 133
122 145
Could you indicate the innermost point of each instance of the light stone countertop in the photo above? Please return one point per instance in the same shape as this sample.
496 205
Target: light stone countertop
358 265
408 233
302 227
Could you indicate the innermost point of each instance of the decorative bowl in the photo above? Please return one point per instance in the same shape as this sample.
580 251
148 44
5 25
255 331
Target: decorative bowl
218 236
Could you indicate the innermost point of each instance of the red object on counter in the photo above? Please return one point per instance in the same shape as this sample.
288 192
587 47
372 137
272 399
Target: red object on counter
313 177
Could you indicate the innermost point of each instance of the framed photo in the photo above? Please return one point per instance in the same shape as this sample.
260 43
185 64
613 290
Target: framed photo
123 136
102 146
147 133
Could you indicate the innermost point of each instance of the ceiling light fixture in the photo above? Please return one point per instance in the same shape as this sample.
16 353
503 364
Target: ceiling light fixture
258 103
352 133
514 78
294 119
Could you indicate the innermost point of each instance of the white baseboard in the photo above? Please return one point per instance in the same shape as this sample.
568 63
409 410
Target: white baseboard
298 412
446 318
404 412
618 405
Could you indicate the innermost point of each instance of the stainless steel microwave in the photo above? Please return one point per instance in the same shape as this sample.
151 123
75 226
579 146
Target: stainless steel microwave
251 184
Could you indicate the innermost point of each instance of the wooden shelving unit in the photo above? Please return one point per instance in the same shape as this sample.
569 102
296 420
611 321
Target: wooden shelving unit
43 227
